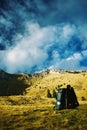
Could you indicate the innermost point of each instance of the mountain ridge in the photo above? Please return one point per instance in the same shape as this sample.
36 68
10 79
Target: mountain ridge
46 71
37 84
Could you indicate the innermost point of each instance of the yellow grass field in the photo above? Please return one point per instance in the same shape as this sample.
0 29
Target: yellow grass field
33 110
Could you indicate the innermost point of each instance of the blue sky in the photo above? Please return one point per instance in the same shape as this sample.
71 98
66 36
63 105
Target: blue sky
40 34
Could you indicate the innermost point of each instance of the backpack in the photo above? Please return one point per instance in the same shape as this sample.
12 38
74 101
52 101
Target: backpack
66 98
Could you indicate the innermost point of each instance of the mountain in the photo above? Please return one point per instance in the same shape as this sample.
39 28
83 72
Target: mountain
13 84
37 84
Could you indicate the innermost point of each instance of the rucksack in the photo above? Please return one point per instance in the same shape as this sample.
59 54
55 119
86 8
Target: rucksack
66 98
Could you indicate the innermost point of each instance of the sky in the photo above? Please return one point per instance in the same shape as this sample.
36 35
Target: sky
39 34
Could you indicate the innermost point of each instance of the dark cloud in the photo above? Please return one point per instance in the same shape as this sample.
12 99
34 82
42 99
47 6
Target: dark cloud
75 10
2 47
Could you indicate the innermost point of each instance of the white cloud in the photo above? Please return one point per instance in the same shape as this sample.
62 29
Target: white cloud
76 56
68 30
84 53
64 34
70 63
31 49
28 51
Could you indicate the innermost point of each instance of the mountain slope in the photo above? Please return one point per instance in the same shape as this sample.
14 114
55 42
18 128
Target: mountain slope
51 81
13 84
37 85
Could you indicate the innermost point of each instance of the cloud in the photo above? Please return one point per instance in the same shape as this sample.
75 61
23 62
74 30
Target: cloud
38 34
15 14
74 62
30 50
42 47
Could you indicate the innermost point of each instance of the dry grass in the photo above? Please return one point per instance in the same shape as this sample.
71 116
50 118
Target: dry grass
34 111
44 117
52 81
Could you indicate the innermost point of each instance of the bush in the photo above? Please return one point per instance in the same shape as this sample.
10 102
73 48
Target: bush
49 94
83 98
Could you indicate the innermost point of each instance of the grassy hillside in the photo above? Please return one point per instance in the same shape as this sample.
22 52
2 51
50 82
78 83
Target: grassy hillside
26 106
40 85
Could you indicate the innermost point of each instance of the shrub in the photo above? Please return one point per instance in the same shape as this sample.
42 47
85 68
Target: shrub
49 94
83 98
